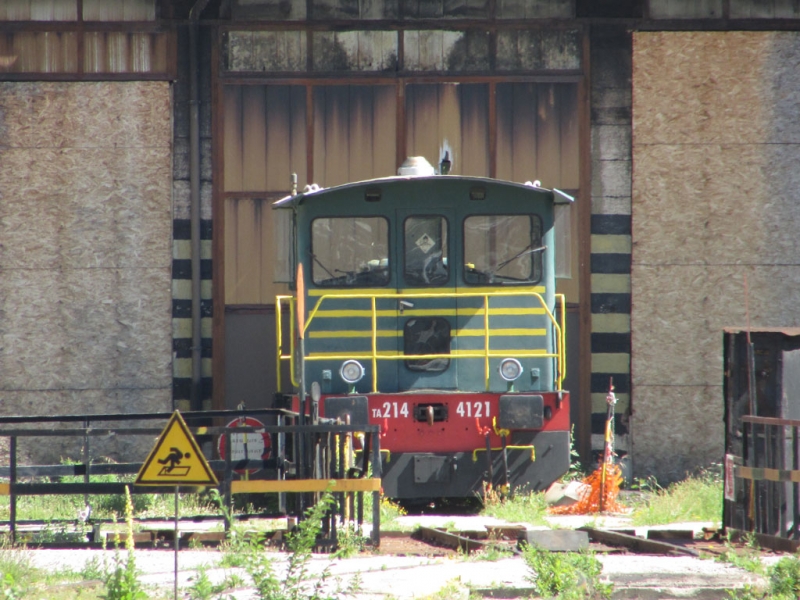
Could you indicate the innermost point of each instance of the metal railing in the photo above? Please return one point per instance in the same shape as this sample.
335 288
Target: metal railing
762 487
374 355
323 469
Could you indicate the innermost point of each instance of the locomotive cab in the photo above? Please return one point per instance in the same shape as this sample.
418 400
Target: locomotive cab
430 310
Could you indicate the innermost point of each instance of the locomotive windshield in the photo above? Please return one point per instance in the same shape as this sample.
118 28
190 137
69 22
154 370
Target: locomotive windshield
502 249
425 251
350 251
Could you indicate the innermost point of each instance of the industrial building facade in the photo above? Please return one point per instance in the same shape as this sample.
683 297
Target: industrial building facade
142 142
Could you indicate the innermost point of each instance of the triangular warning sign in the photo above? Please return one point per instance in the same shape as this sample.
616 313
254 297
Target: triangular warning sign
176 459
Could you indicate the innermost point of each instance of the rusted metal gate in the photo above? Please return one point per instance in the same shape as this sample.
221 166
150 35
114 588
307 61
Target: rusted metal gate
762 435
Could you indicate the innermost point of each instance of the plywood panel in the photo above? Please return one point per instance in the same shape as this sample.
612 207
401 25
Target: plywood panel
85 302
715 200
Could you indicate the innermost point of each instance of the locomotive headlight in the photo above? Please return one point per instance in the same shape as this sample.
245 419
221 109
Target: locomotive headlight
510 369
351 371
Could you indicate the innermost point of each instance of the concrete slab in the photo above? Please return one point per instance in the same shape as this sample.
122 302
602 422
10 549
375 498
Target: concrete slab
406 578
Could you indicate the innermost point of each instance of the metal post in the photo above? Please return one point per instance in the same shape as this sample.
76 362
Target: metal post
376 496
178 541
228 480
12 489
489 459
280 455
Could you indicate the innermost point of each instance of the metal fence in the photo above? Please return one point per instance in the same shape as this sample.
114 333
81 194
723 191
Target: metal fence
306 460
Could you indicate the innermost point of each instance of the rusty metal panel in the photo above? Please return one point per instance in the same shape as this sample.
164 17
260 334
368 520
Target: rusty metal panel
119 10
232 144
39 52
427 50
776 9
39 10
285 136
354 50
548 139
279 51
254 133
686 9
535 9
248 272
123 52
268 10
567 100
432 9
517 131
538 50
474 101
537 133
265 137
354 133
449 118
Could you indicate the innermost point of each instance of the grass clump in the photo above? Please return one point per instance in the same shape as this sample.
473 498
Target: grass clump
566 575
697 498
519 507
784 583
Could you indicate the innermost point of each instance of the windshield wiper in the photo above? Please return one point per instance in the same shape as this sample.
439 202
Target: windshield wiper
526 250
324 268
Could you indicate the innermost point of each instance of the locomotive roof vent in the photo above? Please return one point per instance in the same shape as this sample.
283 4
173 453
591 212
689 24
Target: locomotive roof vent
416 166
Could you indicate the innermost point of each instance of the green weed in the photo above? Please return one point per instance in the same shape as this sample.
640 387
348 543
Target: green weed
784 583
122 580
747 558
566 575
697 498
520 507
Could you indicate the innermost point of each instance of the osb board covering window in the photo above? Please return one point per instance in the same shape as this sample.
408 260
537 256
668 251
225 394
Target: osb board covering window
715 199
85 220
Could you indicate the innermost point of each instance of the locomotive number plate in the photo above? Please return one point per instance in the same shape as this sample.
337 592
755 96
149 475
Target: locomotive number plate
390 410
474 409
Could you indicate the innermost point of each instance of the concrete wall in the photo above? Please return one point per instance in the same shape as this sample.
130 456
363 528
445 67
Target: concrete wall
716 191
85 254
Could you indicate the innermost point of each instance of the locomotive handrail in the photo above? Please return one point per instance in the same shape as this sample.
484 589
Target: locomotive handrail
374 355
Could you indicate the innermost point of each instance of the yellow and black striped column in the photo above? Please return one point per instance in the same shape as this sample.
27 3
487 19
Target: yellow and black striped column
182 313
611 230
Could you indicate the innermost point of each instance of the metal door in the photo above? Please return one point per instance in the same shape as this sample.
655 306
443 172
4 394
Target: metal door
427 313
